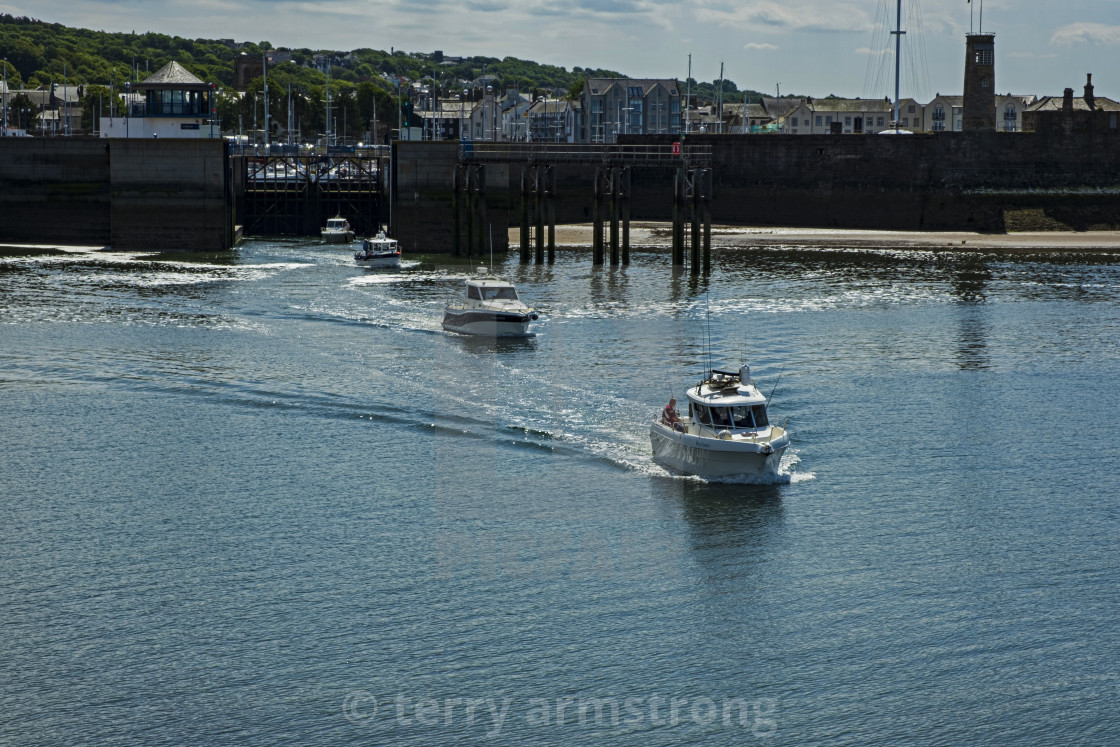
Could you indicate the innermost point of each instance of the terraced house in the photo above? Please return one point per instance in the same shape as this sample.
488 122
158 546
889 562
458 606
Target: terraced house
610 107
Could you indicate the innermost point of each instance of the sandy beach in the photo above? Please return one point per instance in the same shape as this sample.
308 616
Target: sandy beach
647 233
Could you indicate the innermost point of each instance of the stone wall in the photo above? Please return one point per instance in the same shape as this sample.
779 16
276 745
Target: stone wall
128 194
54 191
973 181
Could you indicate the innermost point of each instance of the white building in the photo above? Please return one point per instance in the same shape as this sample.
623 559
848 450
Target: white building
171 102
852 116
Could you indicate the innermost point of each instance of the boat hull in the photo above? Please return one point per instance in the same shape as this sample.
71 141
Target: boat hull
337 237
714 457
487 323
388 260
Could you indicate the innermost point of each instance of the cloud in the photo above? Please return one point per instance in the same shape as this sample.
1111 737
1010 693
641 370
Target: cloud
1086 33
868 52
761 45
794 15
1032 56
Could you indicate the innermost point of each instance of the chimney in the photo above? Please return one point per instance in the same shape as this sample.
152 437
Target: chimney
1090 101
1067 100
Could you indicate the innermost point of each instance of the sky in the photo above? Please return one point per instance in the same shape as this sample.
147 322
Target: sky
809 47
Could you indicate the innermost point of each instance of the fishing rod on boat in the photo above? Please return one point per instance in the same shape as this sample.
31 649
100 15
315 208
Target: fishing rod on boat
775 387
708 304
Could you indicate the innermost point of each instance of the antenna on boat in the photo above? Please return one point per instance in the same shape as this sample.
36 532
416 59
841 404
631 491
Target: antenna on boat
775 388
708 302
491 248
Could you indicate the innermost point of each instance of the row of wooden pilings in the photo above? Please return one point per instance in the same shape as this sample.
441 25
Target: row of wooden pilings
692 201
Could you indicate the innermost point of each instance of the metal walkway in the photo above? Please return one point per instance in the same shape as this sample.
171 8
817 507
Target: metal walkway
680 155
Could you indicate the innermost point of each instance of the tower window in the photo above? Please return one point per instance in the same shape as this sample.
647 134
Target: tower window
984 83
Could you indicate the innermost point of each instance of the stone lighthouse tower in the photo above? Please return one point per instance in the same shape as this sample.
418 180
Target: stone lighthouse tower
979 82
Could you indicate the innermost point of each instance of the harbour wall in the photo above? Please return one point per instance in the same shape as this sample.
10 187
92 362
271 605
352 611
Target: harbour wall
951 181
128 194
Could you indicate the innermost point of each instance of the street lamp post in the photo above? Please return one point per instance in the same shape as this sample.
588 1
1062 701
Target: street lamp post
127 105
4 121
462 111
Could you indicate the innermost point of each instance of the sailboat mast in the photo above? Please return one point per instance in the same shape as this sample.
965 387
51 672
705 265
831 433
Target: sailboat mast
898 32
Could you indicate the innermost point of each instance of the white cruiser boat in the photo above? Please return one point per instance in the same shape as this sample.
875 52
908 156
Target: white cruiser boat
490 307
725 433
380 251
337 231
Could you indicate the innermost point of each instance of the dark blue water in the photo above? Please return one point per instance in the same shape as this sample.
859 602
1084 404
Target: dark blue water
262 499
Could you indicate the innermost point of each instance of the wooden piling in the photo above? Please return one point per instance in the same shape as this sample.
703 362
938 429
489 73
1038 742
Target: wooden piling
472 210
539 214
678 229
694 258
597 219
615 178
524 247
481 186
551 196
626 216
456 219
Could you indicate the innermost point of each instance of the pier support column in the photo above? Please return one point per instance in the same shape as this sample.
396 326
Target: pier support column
615 178
678 227
625 205
456 218
551 198
524 246
480 186
471 205
539 214
694 258
597 219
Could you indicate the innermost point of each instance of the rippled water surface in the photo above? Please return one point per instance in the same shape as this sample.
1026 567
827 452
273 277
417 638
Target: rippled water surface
261 498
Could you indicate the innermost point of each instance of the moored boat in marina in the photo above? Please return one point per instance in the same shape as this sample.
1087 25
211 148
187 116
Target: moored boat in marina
726 433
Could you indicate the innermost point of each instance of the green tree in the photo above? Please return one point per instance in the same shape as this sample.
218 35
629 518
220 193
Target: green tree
94 102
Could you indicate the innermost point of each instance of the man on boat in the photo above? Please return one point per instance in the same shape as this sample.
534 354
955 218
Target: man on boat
669 415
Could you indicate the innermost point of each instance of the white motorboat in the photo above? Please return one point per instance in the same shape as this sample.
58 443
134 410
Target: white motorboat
337 231
490 307
726 432
380 251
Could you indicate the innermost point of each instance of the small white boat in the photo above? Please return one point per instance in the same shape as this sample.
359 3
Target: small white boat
726 432
490 307
337 231
380 251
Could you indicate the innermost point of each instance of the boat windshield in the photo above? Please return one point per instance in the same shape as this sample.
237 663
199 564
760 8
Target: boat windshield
507 293
744 416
